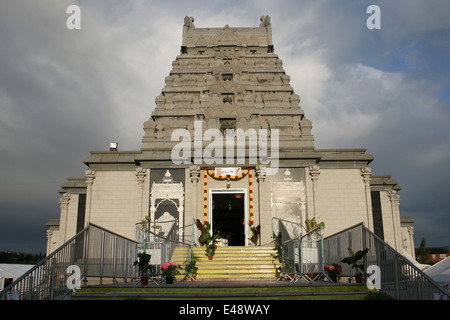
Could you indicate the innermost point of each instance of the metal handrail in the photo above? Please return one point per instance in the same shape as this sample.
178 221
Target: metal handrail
302 256
301 236
283 224
161 247
399 277
38 282
97 252
49 279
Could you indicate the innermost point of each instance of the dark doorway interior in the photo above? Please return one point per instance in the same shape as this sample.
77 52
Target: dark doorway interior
228 217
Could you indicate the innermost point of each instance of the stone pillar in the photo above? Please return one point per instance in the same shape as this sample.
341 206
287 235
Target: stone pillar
89 176
411 241
64 206
366 173
260 173
314 172
194 174
395 203
49 241
140 176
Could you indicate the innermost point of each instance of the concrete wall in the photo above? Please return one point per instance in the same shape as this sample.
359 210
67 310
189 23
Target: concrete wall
340 199
116 201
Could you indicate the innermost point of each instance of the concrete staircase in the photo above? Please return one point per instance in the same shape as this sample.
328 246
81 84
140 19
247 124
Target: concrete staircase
232 263
235 273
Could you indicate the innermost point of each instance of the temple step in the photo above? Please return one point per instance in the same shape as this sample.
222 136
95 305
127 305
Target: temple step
232 263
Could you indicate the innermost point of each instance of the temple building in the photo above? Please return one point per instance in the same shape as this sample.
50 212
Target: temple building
228 143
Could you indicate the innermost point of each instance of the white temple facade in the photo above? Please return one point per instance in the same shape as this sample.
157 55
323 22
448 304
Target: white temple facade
229 143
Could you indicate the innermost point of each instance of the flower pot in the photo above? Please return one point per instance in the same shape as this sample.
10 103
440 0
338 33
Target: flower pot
358 278
144 281
169 280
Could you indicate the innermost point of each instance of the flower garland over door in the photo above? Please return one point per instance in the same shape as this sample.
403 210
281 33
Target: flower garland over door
228 178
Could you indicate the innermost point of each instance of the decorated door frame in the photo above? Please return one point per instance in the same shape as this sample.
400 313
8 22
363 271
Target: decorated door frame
243 191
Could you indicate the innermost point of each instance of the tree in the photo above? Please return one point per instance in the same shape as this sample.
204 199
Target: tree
422 253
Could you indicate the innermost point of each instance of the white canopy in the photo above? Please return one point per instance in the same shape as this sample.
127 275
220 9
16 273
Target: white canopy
421 266
13 271
440 272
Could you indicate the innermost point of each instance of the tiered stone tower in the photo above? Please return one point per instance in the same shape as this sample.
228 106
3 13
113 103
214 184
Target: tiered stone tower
227 78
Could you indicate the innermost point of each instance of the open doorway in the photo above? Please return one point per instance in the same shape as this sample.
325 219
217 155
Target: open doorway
228 217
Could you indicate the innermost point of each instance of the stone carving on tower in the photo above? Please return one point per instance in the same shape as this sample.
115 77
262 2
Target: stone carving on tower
229 73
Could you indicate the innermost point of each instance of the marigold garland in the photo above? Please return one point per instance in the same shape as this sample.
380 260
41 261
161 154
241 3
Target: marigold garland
205 197
228 177
250 188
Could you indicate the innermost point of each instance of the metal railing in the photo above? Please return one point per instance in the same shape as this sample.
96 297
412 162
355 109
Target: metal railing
312 256
161 245
96 252
302 256
295 249
398 276
287 229
152 238
109 255
190 234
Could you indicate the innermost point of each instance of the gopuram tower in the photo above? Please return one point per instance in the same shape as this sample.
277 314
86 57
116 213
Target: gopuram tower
229 144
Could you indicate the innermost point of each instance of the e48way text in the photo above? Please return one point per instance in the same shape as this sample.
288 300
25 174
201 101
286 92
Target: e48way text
235 309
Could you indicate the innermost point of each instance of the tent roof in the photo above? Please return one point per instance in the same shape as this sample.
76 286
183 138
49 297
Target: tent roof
440 272
14 271
421 266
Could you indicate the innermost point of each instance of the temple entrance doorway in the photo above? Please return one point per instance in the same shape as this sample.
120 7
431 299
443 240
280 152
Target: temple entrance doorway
228 215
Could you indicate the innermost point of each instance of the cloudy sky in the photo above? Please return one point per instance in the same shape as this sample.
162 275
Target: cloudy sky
66 92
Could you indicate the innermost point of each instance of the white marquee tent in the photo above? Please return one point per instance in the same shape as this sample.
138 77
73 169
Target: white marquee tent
12 271
440 272
421 266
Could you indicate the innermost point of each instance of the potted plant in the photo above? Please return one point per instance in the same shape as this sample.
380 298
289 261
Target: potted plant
170 270
256 231
143 261
201 228
353 261
211 248
191 270
311 224
277 248
278 252
209 241
333 271
289 267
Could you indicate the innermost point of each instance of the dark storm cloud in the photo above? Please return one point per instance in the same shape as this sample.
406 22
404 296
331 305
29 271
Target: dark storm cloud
64 93
56 106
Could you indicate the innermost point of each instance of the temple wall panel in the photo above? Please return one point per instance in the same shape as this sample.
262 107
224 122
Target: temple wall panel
114 200
340 199
265 214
